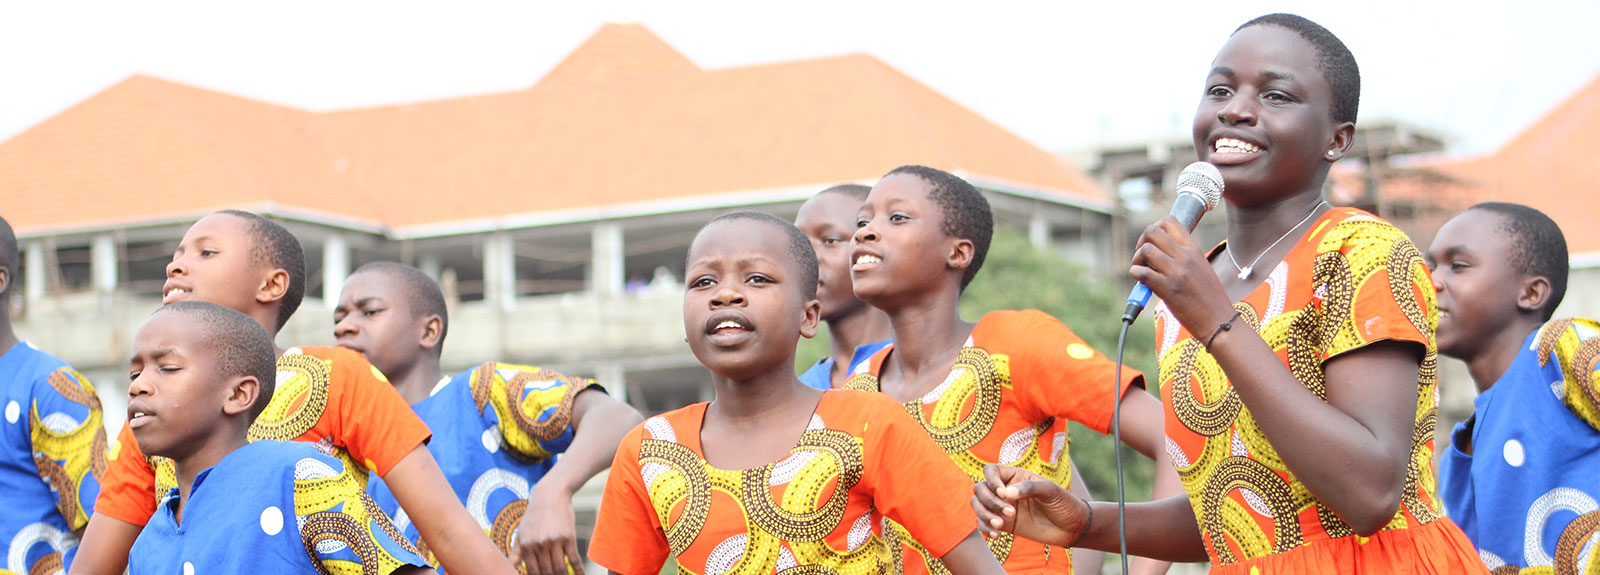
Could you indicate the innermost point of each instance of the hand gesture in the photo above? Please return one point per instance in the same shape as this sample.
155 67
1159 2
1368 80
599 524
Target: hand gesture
1022 502
1169 263
547 538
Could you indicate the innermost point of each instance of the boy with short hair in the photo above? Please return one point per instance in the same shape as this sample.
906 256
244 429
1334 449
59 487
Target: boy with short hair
922 236
498 427
1522 475
52 432
200 374
774 475
855 330
329 396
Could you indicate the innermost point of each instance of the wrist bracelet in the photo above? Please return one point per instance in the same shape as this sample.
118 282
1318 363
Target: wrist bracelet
1087 522
1227 325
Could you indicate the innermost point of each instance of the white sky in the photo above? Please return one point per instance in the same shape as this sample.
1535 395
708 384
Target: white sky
1062 74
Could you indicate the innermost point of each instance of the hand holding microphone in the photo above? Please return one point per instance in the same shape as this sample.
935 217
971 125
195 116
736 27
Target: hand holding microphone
1199 190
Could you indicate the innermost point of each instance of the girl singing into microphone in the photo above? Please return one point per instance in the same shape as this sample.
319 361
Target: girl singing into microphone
1296 358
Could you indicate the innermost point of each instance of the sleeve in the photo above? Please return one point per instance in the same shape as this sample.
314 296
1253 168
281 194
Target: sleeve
628 536
1377 289
375 424
1056 374
1569 352
69 442
541 425
343 530
913 481
128 488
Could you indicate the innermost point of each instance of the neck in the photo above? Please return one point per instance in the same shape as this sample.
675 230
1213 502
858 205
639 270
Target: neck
1253 229
852 330
205 457
752 402
416 381
8 338
1495 356
925 334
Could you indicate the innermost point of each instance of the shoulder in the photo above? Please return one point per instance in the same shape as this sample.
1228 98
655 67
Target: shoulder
1348 229
1572 342
670 426
36 365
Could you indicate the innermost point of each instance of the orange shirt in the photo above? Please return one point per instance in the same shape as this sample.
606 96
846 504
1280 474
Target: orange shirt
329 396
1007 400
1352 281
821 508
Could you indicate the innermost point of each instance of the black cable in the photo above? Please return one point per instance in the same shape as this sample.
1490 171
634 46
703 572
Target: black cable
1116 446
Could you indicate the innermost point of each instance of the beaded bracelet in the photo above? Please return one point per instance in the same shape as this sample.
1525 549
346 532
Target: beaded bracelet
1226 326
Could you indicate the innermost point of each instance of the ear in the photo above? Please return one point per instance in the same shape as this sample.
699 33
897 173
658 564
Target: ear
960 254
808 326
1344 138
273 287
432 332
5 280
242 393
1533 294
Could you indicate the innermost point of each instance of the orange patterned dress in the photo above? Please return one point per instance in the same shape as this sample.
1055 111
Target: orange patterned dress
1352 281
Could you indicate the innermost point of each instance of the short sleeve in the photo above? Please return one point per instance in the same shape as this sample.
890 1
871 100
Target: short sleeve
128 488
1375 286
374 423
912 480
541 424
1054 372
69 442
1569 353
342 528
628 537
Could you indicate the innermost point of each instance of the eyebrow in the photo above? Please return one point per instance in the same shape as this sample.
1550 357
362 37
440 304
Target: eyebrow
367 300
1278 75
1222 70
157 354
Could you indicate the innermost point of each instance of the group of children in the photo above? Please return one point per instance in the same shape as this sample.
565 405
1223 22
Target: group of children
1297 404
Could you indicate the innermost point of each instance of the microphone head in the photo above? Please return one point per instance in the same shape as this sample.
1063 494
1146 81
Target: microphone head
1202 179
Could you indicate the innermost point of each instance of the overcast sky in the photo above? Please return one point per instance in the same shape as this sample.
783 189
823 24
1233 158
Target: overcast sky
1061 74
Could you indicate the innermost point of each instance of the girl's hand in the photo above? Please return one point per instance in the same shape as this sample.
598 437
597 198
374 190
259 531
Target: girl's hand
1021 502
1169 263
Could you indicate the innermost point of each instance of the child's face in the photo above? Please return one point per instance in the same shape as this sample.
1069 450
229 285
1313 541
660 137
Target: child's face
1266 117
174 396
374 319
900 244
743 310
830 220
215 263
1476 284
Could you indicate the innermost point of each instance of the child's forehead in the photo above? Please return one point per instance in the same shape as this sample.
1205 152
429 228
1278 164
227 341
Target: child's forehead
173 331
740 240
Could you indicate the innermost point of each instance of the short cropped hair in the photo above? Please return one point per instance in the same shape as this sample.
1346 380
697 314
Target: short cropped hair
966 212
1538 247
1334 60
239 345
856 191
421 293
279 249
800 251
10 258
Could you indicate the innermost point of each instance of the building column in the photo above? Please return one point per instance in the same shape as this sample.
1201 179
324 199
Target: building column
430 265
500 270
37 281
1039 231
335 268
614 378
103 263
606 259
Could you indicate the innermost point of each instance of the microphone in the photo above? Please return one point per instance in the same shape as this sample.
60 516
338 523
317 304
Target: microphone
1199 189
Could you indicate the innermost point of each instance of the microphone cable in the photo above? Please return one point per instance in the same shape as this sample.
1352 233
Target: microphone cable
1116 435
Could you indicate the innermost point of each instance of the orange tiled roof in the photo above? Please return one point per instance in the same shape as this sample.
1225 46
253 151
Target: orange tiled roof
624 119
1553 166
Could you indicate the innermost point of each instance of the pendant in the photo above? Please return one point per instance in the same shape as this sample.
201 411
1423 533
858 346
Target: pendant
1244 274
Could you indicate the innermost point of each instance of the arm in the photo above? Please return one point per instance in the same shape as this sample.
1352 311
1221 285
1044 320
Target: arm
450 531
1350 450
1084 560
106 543
1017 501
548 537
127 500
1143 428
972 557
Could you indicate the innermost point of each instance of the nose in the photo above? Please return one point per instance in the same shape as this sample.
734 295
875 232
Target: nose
139 387
345 327
1239 110
866 233
176 267
726 297
1438 284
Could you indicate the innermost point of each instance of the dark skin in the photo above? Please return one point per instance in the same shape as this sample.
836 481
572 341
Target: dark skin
1351 451
8 337
214 262
375 317
917 282
829 219
743 312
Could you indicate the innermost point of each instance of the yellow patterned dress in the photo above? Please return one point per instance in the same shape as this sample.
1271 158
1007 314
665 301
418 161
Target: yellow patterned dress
1007 400
52 457
818 511
1352 280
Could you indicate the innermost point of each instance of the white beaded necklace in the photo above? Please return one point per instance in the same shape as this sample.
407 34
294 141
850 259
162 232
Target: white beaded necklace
1244 272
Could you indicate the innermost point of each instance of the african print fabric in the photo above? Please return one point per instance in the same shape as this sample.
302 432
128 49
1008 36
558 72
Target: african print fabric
272 507
1527 493
497 429
328 396
1007 400
1351 281
819 510
52 455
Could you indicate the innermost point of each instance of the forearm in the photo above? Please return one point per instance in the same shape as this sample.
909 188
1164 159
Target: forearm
455 538
972 557
1084 560
598 427
1164 530
105 546
1167 486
